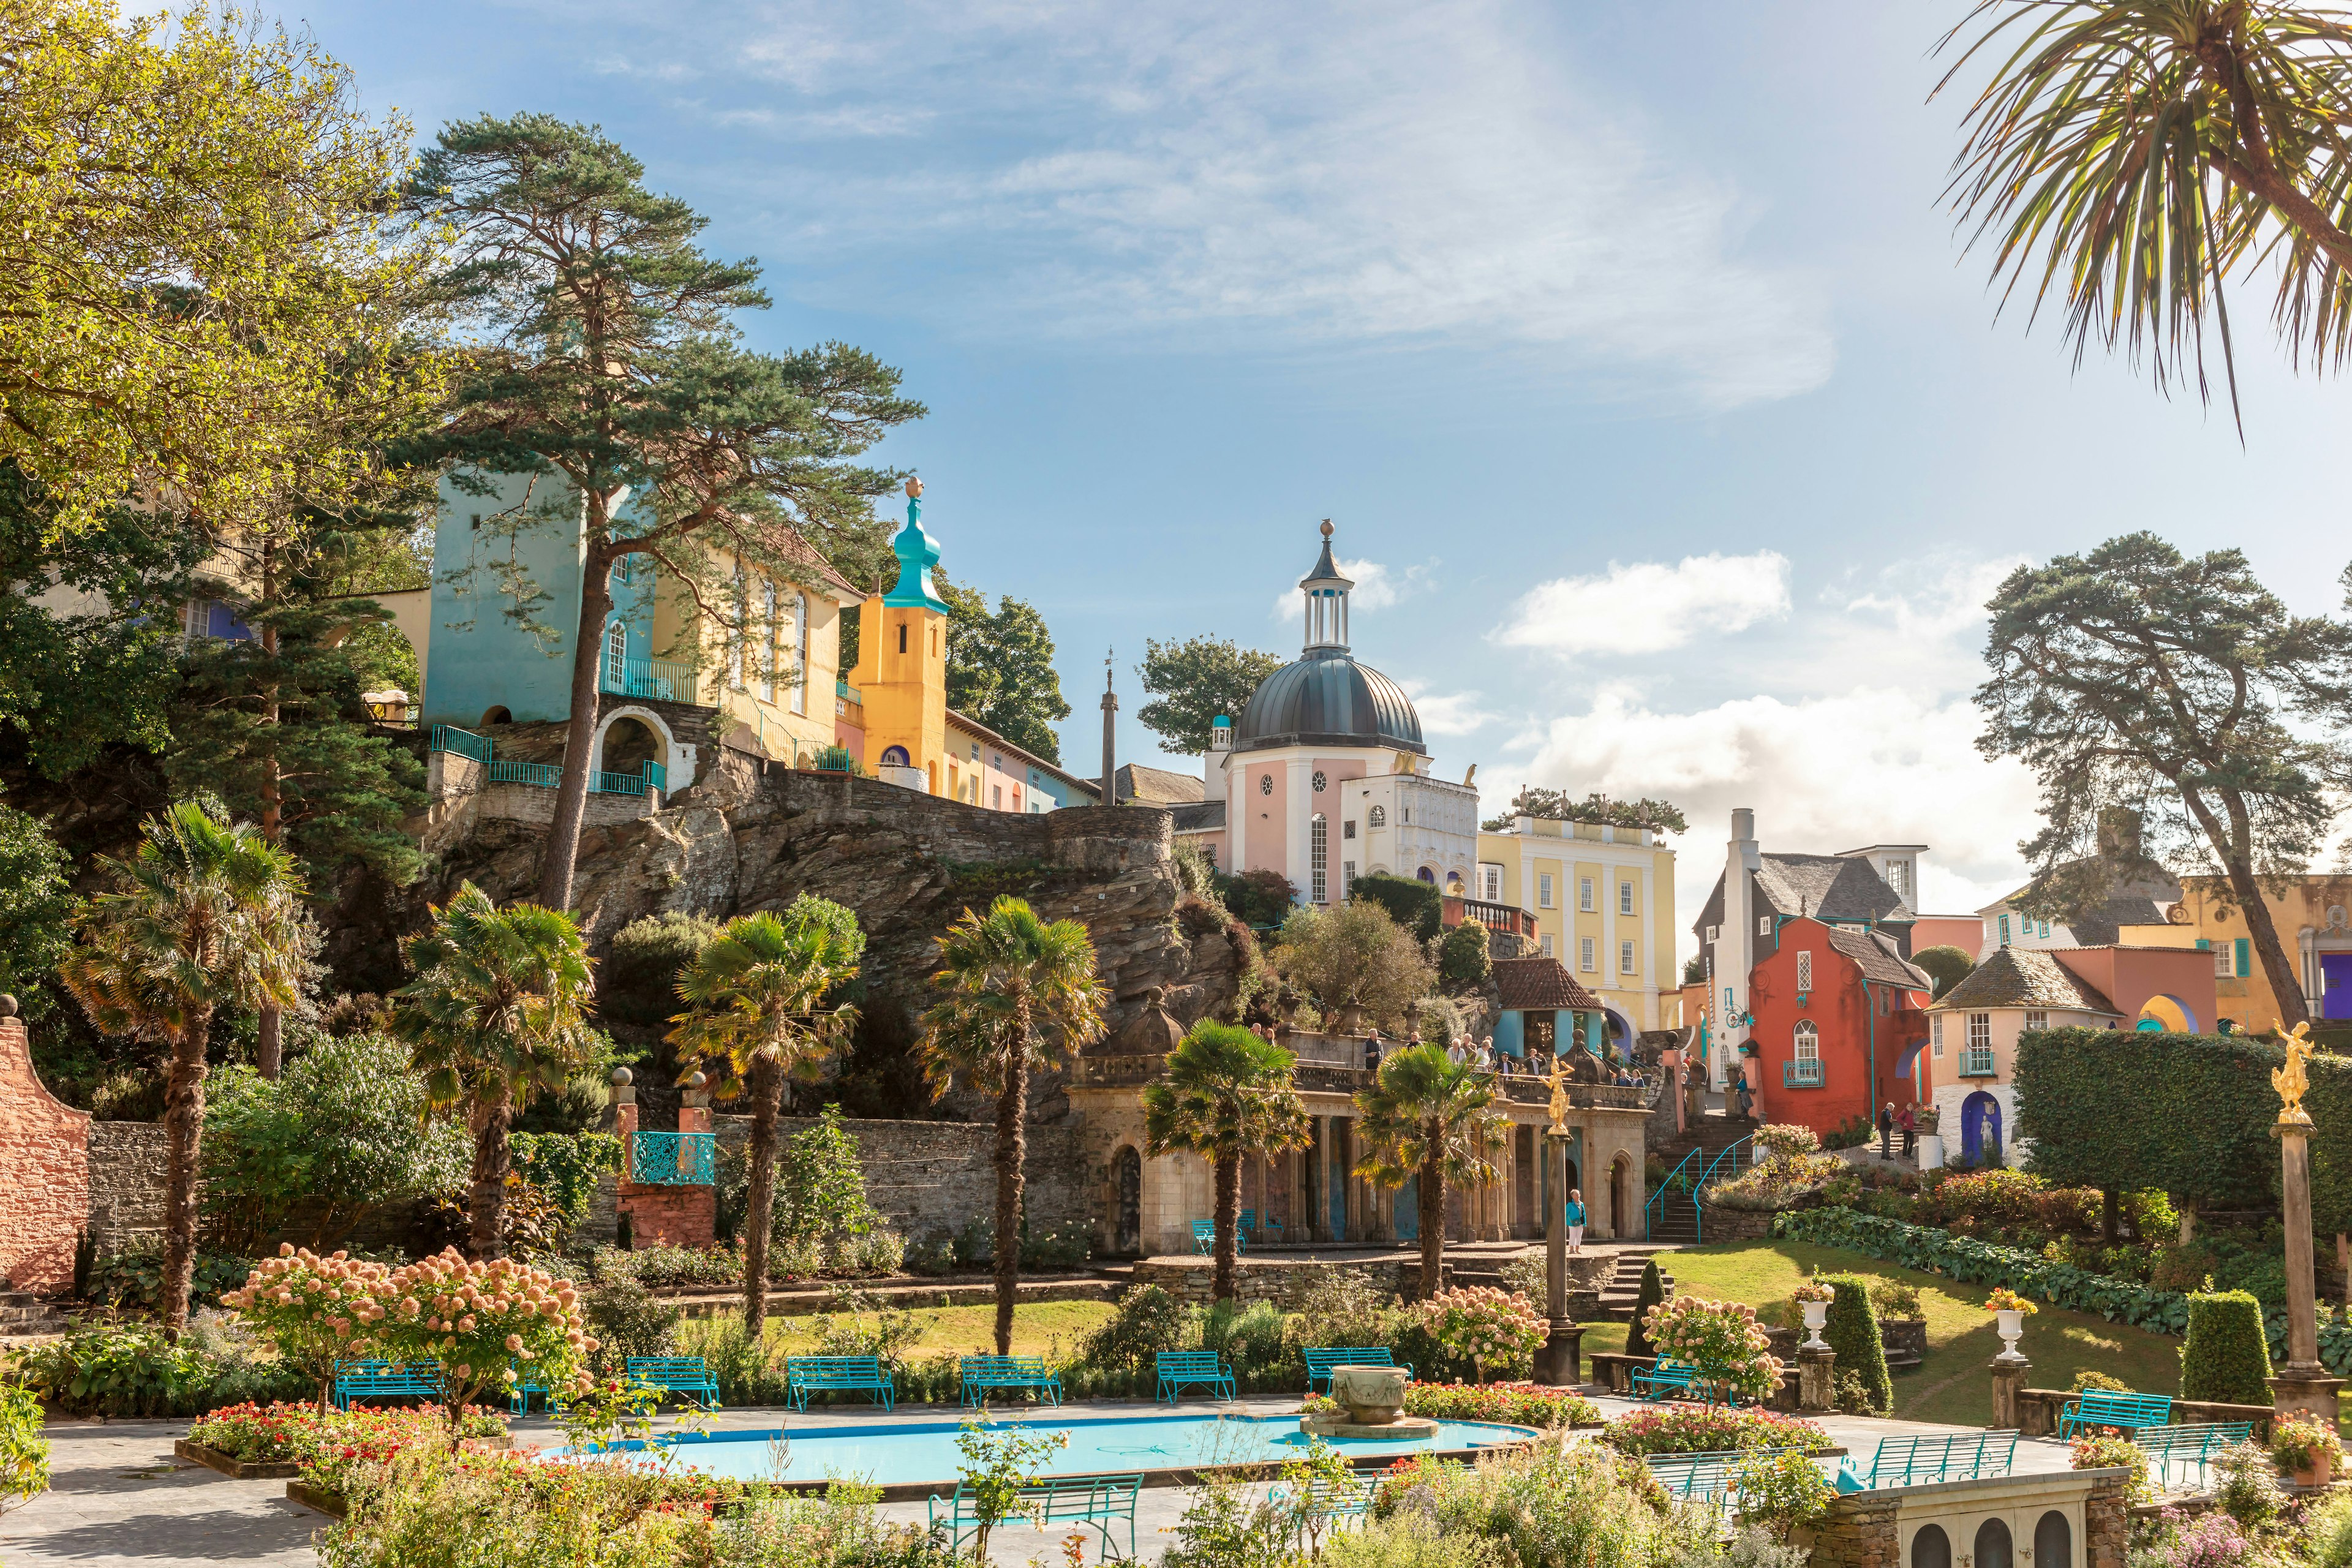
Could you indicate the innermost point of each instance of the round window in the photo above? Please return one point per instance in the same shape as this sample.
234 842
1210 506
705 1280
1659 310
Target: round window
1319 781
1265 784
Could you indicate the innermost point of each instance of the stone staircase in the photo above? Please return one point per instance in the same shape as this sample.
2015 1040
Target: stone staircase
23 1315
1673 1218
1624 1286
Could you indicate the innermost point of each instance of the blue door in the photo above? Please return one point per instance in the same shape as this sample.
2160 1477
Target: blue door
1339 1184
1980 1128
1408 1210
2335 984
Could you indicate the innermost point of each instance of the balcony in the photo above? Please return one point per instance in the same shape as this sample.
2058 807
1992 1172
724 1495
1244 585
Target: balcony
1977 1063
661 679
1804 1073
1494 916
671 1159
476 748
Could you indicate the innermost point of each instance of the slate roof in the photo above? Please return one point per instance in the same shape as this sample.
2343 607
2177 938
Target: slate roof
1156 786
2135 897
1199 816
1879 959
2024 977
1540 985
1829 887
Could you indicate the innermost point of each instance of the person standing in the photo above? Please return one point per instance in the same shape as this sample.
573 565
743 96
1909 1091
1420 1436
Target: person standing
1575 1218
1372 1052
1910 1123
1886 1132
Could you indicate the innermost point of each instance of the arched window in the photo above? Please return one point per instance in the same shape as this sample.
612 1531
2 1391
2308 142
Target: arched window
894 756
1993 1545
1931 1548
1809 1042
1318 849
616 657
2053 1541
1380 817
1427 873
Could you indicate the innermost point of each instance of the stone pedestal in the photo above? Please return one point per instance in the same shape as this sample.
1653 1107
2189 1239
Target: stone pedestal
1558 1361
2302 1384
2008 1382
1816 1379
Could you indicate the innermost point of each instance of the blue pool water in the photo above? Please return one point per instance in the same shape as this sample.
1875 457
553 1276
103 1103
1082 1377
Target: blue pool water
894 1453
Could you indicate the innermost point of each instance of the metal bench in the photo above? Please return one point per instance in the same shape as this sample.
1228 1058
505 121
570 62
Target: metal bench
685 1375
1351 1498
373 1380
1254 1229
2105 1407
525 1384
2192 1446
1319 1362
807 1374
1179 1370
1709 1476
1054 1500
1204 1238
1919 1460
1669 1380
979 1373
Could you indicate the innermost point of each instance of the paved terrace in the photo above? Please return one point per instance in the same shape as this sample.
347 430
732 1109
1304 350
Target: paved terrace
119 1500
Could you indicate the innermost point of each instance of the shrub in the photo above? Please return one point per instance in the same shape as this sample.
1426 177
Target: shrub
637 983
24 1452
2093 1451
840 1529
2248 1490
1893 1298
1463 961
628 1320
2227 1360
1710 1429
1852 1333
660 1265
1584 1505
2086 1380
1786 1139
1065 1246
1149 1320
820 1185
1518 1404
1946 965
314 1310
1415 904
2328 1534
1253 1339
1652 1292
1782 1492
483 1324
1498 1331
1340 1307
134 1278
301 1433
1722 1339
125 1369
1409 1541
931 1259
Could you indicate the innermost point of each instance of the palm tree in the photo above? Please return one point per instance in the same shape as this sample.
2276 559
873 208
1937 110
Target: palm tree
498 1008
1427 1115
1226 1093
755 1003
208 916
2135 152
1019 991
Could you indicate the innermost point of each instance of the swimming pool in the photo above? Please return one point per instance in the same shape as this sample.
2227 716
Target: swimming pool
917 1453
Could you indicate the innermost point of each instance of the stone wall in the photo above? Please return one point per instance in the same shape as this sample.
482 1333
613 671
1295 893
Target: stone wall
929 1179
44 1180
127 1165
1276 1279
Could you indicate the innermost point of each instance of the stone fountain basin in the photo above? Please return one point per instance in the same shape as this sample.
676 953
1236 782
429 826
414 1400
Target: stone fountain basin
1372 1401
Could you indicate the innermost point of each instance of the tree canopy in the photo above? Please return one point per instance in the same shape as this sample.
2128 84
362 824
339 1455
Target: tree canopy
1001 670
1555 806
1354 955
1192 682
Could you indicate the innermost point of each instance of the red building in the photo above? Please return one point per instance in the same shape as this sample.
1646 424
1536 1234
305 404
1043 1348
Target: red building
1838 1027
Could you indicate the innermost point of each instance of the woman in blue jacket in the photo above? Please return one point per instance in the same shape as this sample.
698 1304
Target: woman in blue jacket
1575 1218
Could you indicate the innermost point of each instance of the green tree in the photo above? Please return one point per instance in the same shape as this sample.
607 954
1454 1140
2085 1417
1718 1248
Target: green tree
2135 679
1429 1120
1224 1094
757 1006
1020 991
610 377
36 907
1946 965
1001 670
1415 904
1354 955
2133 156
1194 682
1465 960
204 918
1652 1292
498 1009
1555 806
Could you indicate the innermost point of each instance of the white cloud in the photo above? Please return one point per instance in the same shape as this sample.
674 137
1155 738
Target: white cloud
1649 607
1448 713
1376 587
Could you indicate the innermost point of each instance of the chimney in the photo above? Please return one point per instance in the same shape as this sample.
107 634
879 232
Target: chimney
1743 824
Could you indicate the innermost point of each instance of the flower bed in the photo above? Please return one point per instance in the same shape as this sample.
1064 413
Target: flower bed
1710 1429
299 1435
1516 1403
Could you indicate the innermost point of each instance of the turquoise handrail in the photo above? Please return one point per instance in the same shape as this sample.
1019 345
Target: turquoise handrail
1656 1209
1733 1153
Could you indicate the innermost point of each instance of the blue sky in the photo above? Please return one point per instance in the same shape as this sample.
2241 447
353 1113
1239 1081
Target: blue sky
1626 346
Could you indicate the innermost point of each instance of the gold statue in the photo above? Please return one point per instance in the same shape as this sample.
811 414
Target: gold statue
1557 1078
2291 1080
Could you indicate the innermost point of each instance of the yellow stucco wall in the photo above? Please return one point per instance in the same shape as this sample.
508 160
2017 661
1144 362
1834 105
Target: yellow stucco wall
906 694
2247 999
1570 854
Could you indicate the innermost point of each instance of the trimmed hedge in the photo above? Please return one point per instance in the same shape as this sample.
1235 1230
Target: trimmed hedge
1653 1292
2225 1360
1853 1332
1974 1262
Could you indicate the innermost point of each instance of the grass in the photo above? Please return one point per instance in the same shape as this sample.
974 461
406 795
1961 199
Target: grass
1951 1385
1041 1327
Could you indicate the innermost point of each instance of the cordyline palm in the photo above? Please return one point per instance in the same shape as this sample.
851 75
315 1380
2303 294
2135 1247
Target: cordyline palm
755 999
1019 992
1225 1093
208 917
1428 1116
2132 153
498 1008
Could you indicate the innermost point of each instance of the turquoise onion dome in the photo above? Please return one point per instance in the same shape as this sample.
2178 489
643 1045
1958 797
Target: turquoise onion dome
916 554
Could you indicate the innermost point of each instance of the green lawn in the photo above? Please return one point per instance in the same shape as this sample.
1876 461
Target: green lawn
1952 1385
1052 1329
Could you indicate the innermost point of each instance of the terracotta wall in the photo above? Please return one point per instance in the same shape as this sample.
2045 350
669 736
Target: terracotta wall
44 1170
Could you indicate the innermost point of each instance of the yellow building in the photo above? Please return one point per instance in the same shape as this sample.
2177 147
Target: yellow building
2311 918
1603 900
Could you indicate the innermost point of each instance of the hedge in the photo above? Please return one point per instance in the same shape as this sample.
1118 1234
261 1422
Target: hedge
1974 1262
1653 1292
2225 1360
1851 1331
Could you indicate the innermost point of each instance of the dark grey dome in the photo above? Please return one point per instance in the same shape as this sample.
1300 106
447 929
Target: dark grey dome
1327 698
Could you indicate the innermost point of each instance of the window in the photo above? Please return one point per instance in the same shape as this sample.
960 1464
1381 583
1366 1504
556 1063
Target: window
775 643
996 793
1490 883
1380 817
1713 933
1407 818
1318 851
902 637
1624 898
2036 1018
1348 829
1763 925
1805 970
2004 931
1625 959
1936 1034
2041 929
1809 1042
742 630
1898 877
1348 876
799 653
1980 1031
1584 955
616 657
1584 894
2221 966
1265 784
1547 947
1543 891
1319 781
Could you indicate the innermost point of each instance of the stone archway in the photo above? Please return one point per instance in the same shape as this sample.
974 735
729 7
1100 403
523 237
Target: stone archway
632 736
1621 1197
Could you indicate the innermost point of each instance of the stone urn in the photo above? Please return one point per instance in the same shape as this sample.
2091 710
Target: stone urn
2009 1324
1350 1020
1817 1316
1373 1395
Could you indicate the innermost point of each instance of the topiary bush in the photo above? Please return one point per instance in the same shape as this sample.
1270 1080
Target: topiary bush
1463 961
638 982
1652 1292
2227 1360
1853 1332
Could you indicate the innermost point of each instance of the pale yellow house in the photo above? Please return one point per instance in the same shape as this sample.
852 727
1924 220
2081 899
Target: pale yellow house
1604 902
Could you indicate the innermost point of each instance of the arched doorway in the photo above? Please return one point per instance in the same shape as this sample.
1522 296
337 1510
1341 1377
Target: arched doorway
1980 1130
894 757
1621 1033
1994 1548
1621 1197
629 744
1127 1194
1931 1548
498 715
2053 1541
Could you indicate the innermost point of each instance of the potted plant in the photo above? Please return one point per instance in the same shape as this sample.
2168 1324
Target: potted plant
2305 1450
2009 1311
1814 1298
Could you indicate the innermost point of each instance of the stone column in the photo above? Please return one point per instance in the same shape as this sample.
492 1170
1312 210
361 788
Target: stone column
2008 1382
1816 1379
1558 1361
2302 1384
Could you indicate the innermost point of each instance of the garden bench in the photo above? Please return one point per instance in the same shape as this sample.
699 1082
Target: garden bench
1254 1229
1669 1379
1053 1500
1319 1362
979 1373
2189 1446
685 1375
1204 1238
373 1380
1351 1498
1710 1477
2104 1407
525 1384
1181 1369
1918 1461
807 1374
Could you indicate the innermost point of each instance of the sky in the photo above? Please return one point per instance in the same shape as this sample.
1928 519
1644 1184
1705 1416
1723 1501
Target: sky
1672 435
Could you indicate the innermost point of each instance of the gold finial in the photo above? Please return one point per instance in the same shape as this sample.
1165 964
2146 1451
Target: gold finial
914 487
1327 528
1557 1078
2291 1080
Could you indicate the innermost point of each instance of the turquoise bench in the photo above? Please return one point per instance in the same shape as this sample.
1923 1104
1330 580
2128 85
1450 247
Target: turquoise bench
683 1374
807 1374
374 1380
1666 1380
1709 1476
1338 1500
2191 1445
979 1373
1319 1362
1204 1238
1254 1229
1097 1500
2105 1407
1918 1461
1179 1370
525 1384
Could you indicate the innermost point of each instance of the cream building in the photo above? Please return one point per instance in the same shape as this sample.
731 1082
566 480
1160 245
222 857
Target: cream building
1604 902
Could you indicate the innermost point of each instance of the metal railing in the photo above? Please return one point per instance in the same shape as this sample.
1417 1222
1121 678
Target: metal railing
542 776
848 693
655 778
461 742
1734 1159
1976 1063
663 679
1681 1179
672 1159
1803 1073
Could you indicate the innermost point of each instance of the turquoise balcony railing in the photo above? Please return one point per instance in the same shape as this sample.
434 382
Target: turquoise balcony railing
663 680
1803 1074
1976 1064
672 1159
847 693
542 776
461 742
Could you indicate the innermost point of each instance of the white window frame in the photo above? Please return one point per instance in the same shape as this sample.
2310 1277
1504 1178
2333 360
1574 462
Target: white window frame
1624 898
775 643
1348 877
1547 947
1490 882
1713 933
742 628
2037 1018
616 654
1584 955
2004 931
2225 960
1936 1034
1318 857
1763 925
1805 970
1584 894
799 653
1543 890
1626 963
1808 1041
1980 1031
1378 817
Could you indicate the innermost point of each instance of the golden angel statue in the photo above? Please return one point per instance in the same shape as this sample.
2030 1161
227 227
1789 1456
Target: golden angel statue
1558 1079
2291 1080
